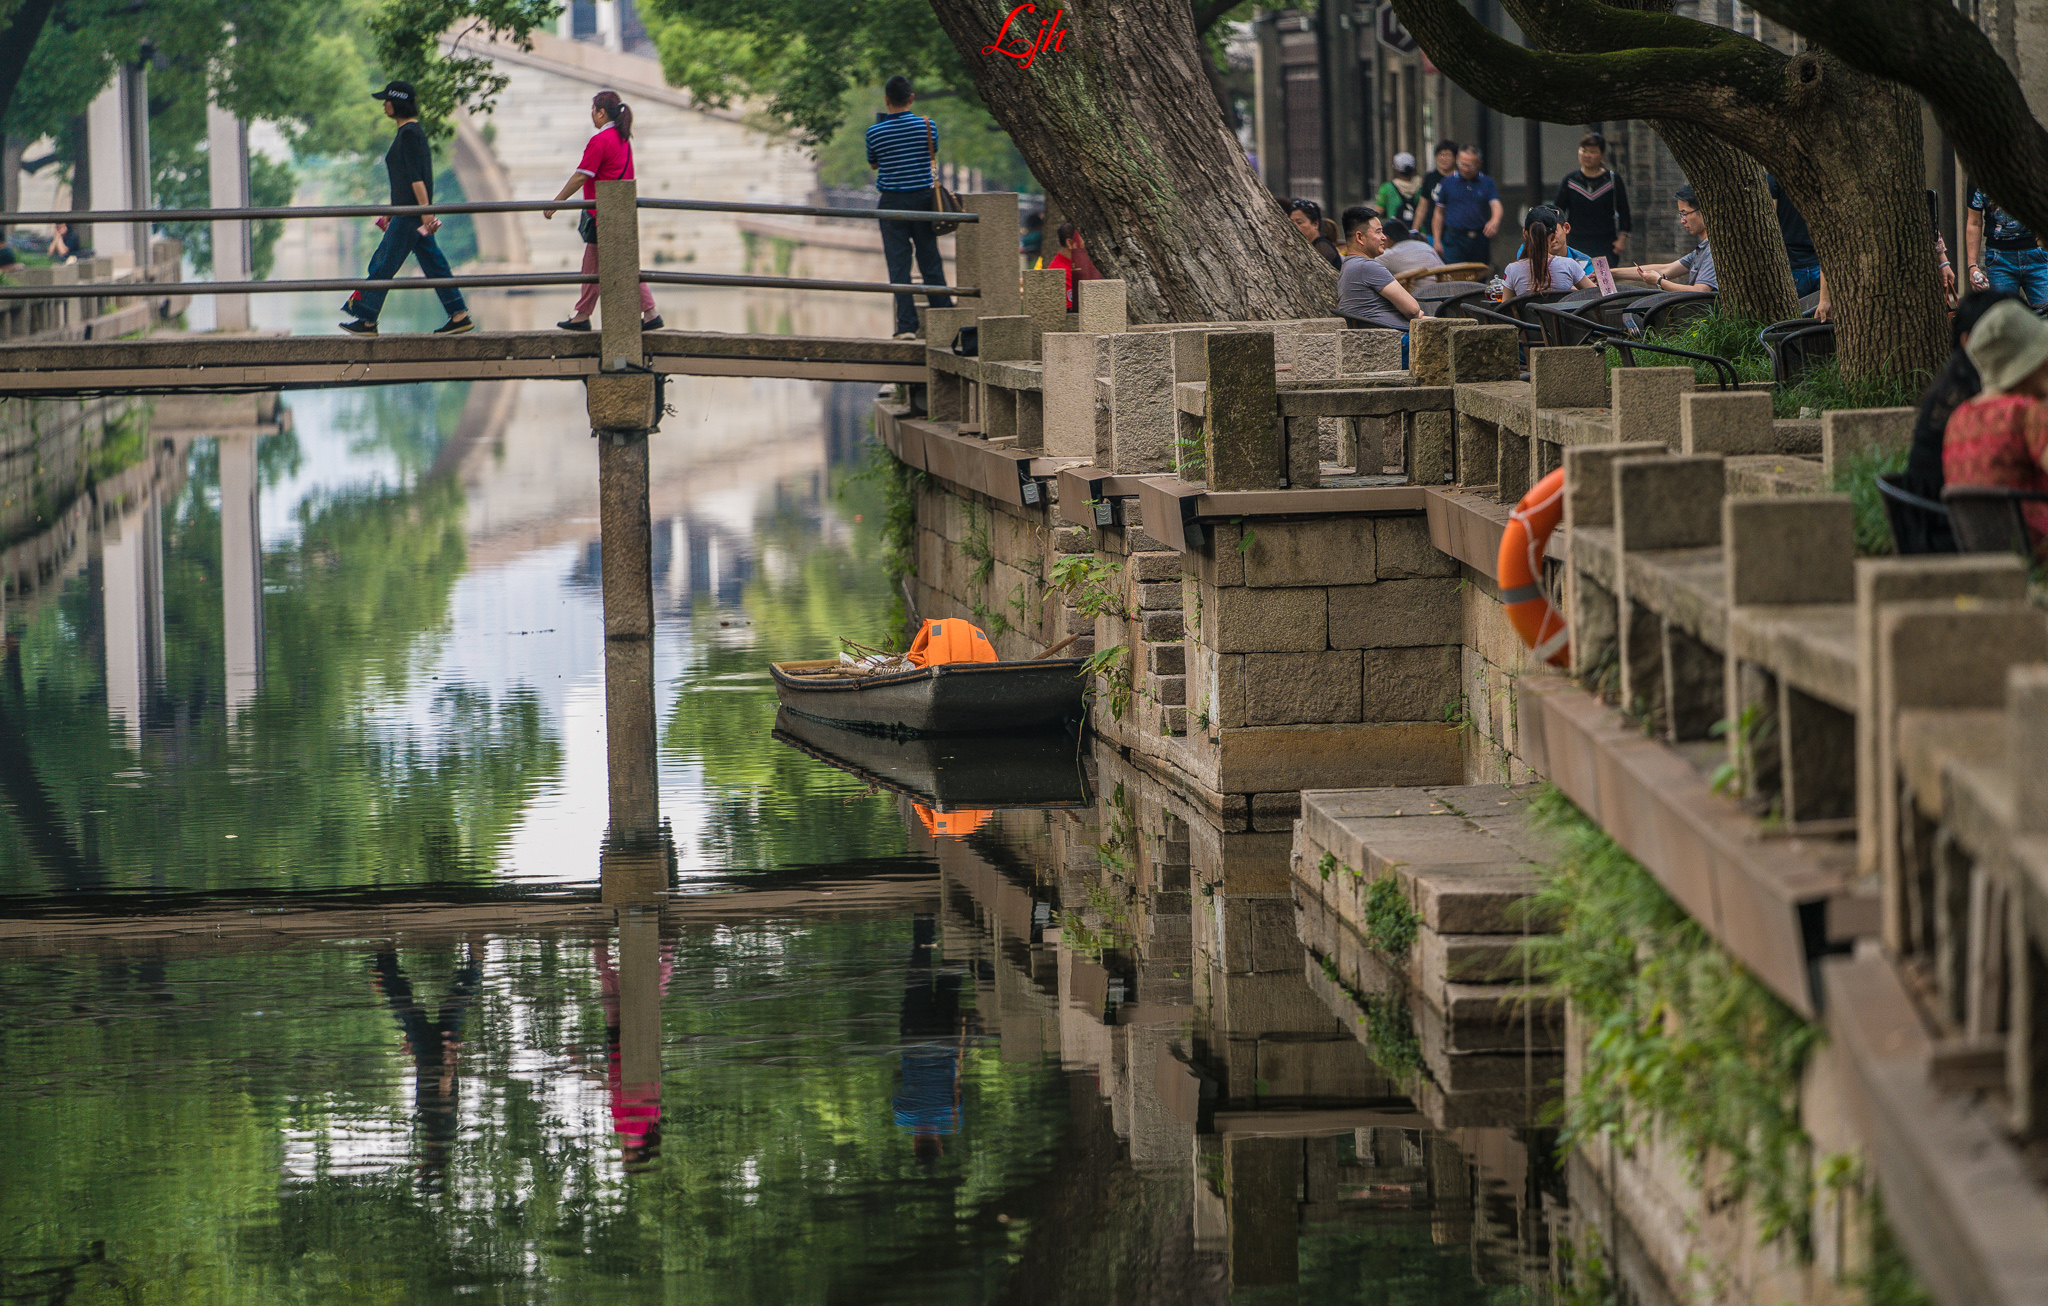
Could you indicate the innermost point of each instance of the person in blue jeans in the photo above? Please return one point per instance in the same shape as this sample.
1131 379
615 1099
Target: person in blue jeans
2003 254
901 146
1799 250
410 163
1467 213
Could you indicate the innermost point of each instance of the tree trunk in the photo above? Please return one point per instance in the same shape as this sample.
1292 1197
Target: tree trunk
1120 127
1742 223
1863 194
17 42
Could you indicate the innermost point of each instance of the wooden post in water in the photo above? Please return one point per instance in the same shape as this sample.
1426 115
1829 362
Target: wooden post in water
622 412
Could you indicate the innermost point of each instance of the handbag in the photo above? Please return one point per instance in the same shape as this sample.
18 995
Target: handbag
943 200
586 227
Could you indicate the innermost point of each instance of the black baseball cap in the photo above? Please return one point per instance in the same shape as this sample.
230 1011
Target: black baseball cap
398 91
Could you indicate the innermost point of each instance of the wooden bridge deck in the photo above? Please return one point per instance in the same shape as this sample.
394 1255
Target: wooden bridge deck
199 364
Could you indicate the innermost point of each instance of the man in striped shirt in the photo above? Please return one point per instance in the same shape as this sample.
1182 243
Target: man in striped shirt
901 146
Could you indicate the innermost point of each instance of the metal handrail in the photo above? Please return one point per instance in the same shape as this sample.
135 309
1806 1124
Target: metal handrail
95 217
1625 344
479 281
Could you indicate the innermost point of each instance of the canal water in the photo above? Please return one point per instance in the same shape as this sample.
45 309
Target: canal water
319 981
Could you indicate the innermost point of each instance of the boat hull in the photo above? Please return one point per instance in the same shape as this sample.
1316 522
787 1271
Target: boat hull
972 698
950 773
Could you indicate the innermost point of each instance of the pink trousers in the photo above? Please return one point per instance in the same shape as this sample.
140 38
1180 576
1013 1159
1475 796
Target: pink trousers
587 301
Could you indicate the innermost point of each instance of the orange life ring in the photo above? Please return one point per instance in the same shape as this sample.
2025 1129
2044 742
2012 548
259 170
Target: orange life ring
1521 571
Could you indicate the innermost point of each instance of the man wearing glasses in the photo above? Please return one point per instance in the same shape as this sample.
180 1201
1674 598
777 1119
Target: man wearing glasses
1693 272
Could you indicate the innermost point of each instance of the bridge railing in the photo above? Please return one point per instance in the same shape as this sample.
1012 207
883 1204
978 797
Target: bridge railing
479 281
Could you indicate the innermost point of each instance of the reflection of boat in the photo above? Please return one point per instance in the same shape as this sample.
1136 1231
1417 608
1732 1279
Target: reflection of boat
959 698
1042 770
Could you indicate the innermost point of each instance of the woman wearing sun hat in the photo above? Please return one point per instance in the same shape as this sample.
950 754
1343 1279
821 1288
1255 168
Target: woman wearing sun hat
2000 438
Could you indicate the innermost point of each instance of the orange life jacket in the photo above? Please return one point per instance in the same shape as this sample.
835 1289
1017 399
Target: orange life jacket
953 825
951 640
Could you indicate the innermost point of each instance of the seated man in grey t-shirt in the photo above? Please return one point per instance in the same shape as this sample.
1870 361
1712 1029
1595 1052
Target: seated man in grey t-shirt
1367 294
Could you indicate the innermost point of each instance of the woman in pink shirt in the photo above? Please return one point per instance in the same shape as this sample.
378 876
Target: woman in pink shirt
608 157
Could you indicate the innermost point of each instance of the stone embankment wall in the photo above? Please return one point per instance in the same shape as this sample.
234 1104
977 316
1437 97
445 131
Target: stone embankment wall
1718 613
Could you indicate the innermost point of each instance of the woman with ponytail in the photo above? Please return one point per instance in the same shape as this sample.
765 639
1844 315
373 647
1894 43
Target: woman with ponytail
1543 265
608 157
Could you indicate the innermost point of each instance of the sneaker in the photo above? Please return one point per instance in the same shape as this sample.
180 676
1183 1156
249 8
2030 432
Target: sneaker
574 324
906 335
357 326
454 328
652 324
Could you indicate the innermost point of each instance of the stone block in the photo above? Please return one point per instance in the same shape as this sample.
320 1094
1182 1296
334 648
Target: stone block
1172 691
62 274
1221 561
988 259
1141 417
1073 539
1167 659
1485 353
1673 502
620 401
1396 614
1159 596
1790 550
1160 627
1954 654
1333 551
1431 454
1316 355
1429 349
1044 300
1241 438
1589 480
1478 449
1005 339
1845 432
1246 620
943 324
1726 422
1069 389
1284 689
1150 568
1567 377
1368 351
1404 552
1645 402
1190 355
1103 310
1409 684
2026 705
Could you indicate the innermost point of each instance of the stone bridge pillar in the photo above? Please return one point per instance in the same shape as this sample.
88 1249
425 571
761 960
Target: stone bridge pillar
227 166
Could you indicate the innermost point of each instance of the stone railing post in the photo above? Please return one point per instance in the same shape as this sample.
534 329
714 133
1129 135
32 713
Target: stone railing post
1241 445
622 411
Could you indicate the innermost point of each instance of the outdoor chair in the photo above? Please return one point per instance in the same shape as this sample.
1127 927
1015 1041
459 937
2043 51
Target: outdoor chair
1562 323
1990 518
1667 309
1437 300
1607 309
1796 345
1919 524
1519 305
1474 272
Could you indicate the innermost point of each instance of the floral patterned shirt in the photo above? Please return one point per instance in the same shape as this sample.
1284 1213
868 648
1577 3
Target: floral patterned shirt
2001 439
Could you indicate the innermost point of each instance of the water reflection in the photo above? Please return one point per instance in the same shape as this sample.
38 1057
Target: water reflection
421 942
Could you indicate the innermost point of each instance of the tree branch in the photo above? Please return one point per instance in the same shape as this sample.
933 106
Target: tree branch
1931 47
1207 15
1687 84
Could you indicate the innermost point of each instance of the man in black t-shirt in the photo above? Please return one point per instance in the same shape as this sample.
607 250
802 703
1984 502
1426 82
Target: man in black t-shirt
410 161
1425 199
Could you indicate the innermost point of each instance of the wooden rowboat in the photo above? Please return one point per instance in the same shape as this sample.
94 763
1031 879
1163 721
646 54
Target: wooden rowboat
959 698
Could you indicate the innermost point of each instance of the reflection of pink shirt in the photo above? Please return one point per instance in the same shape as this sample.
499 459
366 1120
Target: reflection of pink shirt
606 158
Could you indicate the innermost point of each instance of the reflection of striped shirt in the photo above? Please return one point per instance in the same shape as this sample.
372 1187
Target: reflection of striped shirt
900 145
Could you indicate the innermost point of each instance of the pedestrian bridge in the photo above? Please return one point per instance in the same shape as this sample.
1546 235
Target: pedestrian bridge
226 364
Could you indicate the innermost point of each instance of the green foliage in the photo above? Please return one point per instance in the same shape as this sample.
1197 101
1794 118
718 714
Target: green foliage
897 484
1192 461
976 546
408 34
1096 586
1888 1280
1391 924
182 182
1681 1038
1820 388
1856 475
1823 387
124 442
968 138
1113 664
1326 868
